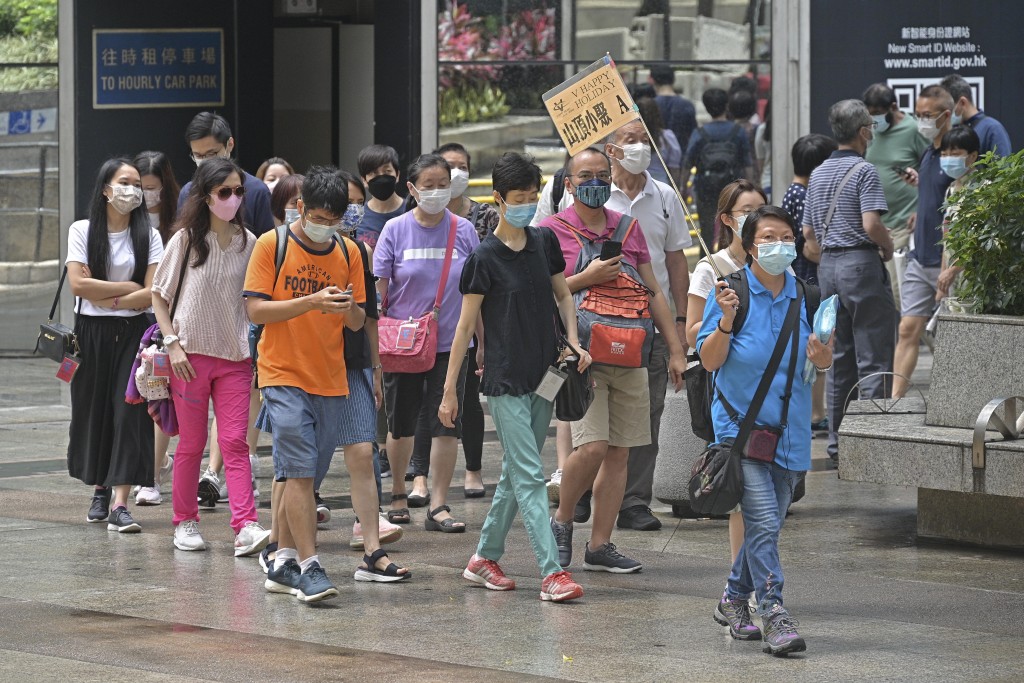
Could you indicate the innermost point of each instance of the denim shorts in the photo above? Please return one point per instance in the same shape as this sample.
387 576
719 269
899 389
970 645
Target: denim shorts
305 430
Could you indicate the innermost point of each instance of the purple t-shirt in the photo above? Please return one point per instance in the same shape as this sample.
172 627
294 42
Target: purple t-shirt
411 257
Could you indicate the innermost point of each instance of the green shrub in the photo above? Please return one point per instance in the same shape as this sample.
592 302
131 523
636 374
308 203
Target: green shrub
986 236
28 49
30 18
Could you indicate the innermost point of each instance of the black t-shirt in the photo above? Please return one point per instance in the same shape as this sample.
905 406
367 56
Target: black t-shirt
357 345
518 309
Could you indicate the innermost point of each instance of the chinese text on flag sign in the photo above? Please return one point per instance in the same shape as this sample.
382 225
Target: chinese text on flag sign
590 105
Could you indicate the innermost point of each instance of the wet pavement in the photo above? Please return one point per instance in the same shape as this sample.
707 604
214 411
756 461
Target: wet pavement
79 603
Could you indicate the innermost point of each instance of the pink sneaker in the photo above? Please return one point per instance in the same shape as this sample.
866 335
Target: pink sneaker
488 573
559 587
387 533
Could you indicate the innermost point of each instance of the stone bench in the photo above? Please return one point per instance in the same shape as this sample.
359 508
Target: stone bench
956 501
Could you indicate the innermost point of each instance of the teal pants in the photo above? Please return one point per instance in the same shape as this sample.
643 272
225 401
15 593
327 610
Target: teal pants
522 424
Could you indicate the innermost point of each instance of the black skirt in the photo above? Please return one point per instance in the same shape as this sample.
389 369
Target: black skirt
111 441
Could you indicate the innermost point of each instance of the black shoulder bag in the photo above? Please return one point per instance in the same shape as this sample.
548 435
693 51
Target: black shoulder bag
57 340
716 479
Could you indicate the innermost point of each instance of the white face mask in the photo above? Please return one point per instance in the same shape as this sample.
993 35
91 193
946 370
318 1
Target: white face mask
152 197
272 184
460 181
636 157
319 233
433 202
928 129
125 198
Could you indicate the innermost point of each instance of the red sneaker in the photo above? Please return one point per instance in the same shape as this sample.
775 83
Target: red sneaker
488 573
559 587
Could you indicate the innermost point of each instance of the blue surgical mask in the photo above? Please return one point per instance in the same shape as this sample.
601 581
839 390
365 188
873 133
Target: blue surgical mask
291 215
594 193
954 167
519 215
881 123
775 257
956 119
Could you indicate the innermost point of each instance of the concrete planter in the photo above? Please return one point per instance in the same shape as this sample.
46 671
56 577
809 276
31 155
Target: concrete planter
977 359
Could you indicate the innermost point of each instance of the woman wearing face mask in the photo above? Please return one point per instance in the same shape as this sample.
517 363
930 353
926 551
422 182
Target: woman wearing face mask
769 241
513 280
160 192
668 145
273 170
111 260
960 149
736 201
207 342
408 262
283 198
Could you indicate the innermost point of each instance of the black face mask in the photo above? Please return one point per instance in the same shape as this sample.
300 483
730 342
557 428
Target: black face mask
382 186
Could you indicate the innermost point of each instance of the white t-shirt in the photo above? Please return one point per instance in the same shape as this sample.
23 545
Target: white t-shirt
662 221
544 203
154 219
120 265
703 278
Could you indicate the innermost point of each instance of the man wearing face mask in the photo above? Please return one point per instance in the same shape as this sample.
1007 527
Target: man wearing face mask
896 146
209 136
991 133
655 206
378 165
620 417
924 262
845 234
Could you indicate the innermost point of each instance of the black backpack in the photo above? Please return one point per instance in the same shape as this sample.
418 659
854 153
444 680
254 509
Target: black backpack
557 190
719 162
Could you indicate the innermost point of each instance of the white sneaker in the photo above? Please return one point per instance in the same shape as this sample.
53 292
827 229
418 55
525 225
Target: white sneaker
209 489
554 486
149 495
254 464
136 489
167 470
187 536
251 539
387 532
222 491
255 488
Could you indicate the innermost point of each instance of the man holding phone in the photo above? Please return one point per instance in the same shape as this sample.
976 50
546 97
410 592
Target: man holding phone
896 148
318 291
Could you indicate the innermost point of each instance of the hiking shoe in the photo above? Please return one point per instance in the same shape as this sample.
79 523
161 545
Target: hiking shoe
120 520
563 539
283 579
187 536
638 518
149 495
736 615
488 574
266 561
582 512
386 533
314 586
559 587
100 508
608 559
780 636
323 513
554 486
251 539
209 489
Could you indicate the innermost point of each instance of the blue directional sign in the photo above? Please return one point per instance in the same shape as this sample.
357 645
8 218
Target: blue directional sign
138 68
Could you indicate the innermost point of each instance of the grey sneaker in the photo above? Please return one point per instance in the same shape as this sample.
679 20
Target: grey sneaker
736 615
100 508
563 539
284 579
780 635
314 585
120 520
608 559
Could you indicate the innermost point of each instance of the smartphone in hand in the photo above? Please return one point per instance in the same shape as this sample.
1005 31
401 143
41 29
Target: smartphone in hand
610 250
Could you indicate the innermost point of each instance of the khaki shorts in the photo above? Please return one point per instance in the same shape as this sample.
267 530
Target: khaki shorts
621 411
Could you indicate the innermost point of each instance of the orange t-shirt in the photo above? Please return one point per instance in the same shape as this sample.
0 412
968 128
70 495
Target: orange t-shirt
307 351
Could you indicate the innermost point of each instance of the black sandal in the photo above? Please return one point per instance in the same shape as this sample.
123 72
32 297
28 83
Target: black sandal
371 573
447 526
399 515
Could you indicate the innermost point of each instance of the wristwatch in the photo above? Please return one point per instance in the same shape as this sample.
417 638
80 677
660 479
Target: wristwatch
170 339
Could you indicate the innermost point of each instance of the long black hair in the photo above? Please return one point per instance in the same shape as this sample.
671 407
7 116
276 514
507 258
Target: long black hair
194 216
157 164
98 242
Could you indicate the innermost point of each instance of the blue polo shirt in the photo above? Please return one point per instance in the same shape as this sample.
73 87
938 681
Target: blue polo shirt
992 134
749 353
863 193
931 194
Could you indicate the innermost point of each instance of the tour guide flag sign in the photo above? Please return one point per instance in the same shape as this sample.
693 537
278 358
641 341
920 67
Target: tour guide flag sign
590 105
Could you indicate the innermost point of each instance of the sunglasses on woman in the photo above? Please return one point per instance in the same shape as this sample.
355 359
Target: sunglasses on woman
225 192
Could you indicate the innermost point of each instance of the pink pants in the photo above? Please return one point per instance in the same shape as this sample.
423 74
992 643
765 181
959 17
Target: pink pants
227 382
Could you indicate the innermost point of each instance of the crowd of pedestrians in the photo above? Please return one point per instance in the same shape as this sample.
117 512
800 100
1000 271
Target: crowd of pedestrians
288 301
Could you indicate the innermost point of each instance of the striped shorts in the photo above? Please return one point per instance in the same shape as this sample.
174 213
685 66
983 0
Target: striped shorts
358 415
